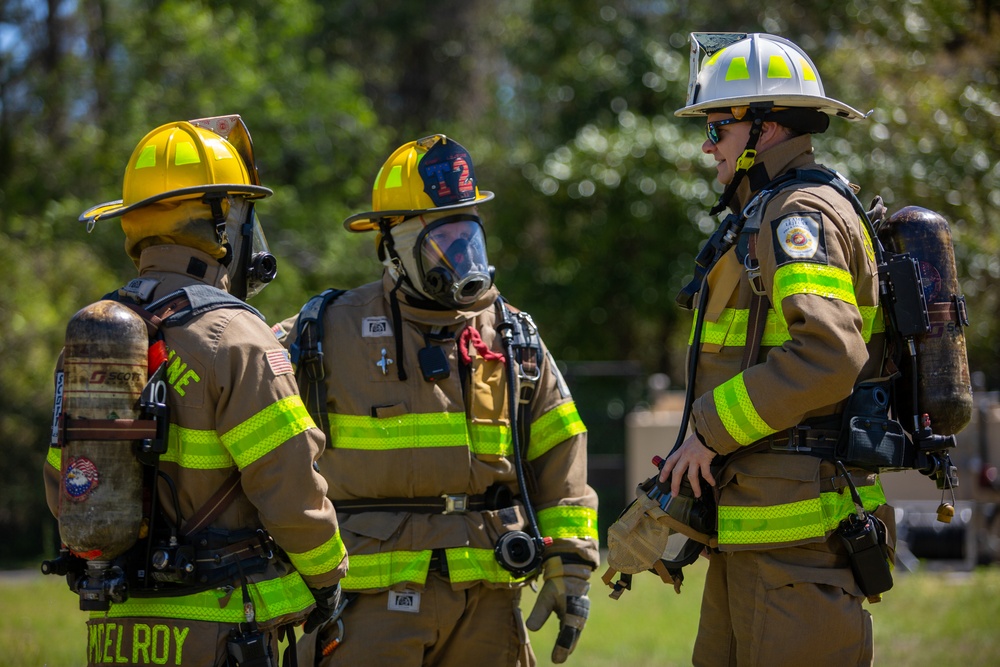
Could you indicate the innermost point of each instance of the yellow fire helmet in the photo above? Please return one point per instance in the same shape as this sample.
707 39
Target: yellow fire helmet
740 69
430 174
170 172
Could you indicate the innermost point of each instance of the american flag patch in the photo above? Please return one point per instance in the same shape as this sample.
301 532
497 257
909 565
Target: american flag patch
278 361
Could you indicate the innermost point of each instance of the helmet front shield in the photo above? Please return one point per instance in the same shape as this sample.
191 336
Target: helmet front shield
707 43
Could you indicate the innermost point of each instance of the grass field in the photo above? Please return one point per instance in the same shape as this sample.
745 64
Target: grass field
929 619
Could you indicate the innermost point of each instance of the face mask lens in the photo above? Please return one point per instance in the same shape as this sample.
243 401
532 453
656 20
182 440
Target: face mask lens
263 267
254 266
453 263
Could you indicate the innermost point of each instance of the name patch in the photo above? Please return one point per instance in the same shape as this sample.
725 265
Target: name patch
375 327
408 601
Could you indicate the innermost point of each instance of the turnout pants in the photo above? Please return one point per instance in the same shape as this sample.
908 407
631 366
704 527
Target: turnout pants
163 641
792 606
439 626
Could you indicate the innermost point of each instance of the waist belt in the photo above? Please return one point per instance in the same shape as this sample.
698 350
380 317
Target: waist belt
439 562
458 503
802 439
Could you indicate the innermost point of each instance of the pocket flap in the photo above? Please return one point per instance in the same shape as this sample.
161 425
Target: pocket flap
378 525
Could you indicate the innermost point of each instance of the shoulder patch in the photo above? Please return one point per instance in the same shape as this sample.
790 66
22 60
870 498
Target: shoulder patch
799 237
279 362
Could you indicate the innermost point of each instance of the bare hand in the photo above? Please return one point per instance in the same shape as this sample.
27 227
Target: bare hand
690 459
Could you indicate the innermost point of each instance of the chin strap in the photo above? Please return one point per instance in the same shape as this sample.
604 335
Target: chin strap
746 160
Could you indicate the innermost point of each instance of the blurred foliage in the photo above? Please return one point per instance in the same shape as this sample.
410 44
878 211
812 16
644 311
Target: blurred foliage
567 108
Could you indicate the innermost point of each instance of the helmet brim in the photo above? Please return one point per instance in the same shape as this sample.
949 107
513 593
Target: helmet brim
368 221
113 209
825 105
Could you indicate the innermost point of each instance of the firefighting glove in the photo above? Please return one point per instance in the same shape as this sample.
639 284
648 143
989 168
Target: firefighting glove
565 593
327 604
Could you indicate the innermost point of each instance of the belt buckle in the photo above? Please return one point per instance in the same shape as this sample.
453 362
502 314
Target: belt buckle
455 503
796 435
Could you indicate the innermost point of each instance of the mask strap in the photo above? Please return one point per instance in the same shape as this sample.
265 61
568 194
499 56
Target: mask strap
397 330
214 201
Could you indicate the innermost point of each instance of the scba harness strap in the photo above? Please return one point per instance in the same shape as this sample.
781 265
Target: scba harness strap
307 356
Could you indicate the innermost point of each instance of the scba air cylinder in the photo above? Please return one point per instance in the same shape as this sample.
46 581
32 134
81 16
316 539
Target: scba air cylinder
944 388
104 372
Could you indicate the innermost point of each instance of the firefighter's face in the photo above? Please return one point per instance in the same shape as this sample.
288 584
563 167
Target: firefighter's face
732 139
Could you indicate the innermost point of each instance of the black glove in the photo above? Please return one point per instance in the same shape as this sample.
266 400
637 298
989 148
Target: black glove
327 604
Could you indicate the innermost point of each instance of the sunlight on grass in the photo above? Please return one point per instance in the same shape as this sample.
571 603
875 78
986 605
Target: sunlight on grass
928 619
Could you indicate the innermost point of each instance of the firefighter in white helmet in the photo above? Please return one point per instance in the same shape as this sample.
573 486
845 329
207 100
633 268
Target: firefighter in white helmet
244 542
450 500
791 326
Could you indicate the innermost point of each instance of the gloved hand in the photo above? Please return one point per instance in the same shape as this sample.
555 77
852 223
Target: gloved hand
327 603
564 592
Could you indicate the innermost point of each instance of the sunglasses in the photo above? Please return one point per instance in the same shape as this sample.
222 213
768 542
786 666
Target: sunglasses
712 128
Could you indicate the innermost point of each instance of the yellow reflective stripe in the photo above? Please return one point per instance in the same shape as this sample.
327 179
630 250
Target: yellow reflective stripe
738 415
808 278
791 522
271 599
394 179
196 449
491 439
731 328
185 153
872 321
54 458
568 521
267 429
738 70
147 158
436 429
777 68
386 569
413 431
382 570
468 564
322 559
557 425
807 72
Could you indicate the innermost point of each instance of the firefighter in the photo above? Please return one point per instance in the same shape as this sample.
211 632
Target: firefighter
424 449
266 538
791 324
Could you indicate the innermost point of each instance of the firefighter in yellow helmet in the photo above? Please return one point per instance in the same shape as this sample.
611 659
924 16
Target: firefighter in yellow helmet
455 489
789 328
239 540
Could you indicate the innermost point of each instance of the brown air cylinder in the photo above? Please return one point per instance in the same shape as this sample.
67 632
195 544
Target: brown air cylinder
104 372
944 389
